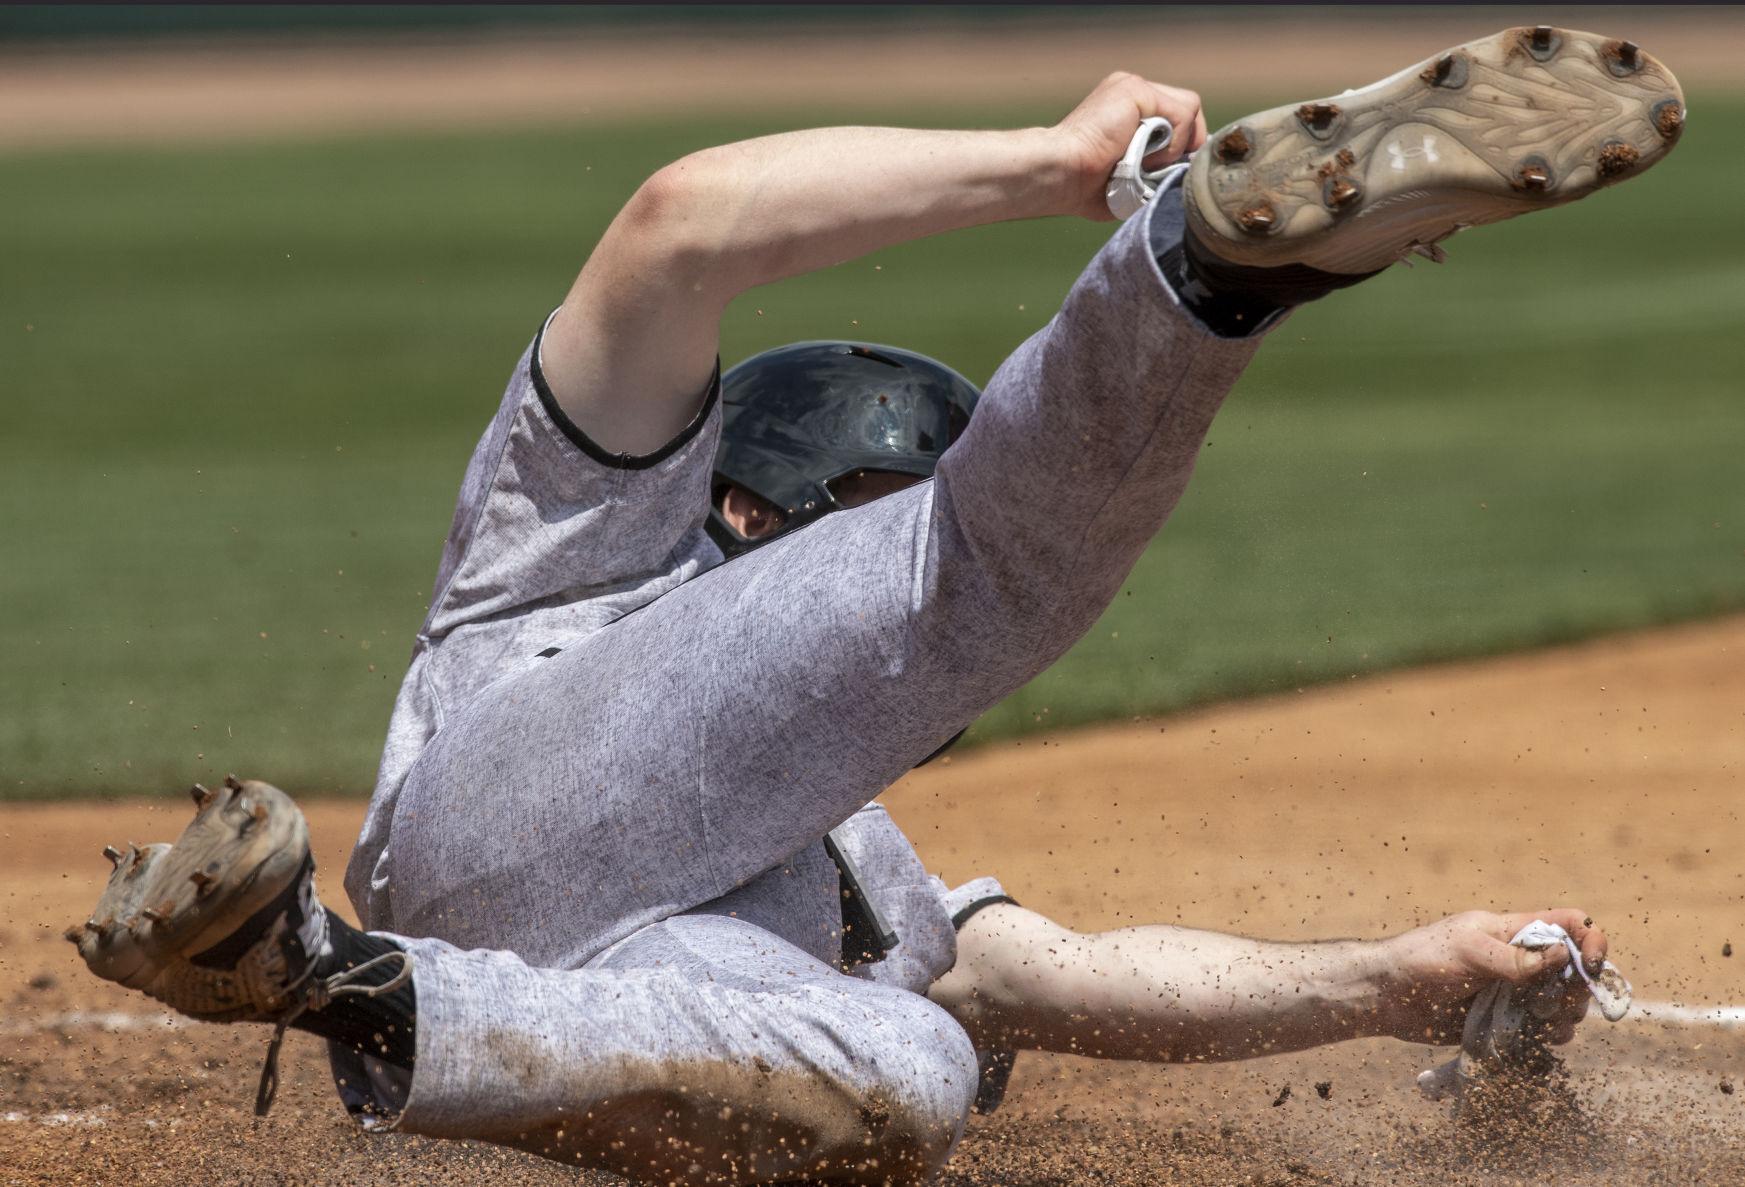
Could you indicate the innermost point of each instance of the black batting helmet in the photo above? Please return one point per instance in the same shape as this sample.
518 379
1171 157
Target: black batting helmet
798 419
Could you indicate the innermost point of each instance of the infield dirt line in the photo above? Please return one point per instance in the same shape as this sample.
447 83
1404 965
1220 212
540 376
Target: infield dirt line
256 89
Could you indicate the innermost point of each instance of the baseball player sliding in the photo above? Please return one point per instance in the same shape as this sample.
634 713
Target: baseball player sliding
630 903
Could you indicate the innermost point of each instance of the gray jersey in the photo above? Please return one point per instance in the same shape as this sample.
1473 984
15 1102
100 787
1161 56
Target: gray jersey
636 817
604 726
552 540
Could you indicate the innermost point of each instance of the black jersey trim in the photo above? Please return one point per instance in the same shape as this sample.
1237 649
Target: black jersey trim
969 912
585 443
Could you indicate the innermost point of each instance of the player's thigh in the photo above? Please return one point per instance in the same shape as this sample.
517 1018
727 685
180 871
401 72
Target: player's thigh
663 761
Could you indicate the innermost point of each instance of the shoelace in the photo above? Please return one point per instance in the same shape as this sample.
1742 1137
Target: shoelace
320 992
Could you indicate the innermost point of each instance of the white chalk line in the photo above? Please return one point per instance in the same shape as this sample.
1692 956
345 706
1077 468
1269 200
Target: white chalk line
112 1021
92 1118
115 1021
1679 1015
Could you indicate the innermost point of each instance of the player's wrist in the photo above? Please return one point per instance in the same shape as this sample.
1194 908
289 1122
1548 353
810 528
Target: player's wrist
1405 1004
1048 172
1351 981
1061 173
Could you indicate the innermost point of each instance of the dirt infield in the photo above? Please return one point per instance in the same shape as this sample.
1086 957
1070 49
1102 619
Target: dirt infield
1607 775
287 86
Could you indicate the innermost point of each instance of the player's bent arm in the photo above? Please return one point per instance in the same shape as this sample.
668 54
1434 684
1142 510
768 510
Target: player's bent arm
631 351
1171 994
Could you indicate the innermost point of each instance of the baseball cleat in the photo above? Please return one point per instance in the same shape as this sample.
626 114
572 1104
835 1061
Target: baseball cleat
223 925
1524 120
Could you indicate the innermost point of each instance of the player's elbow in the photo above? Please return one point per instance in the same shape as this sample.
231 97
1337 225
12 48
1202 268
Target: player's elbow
693 219
678 222
666 215
664 201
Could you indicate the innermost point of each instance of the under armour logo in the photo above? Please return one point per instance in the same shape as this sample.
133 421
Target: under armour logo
1399 155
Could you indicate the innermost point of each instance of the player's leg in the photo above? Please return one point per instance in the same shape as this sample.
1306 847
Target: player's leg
701 1049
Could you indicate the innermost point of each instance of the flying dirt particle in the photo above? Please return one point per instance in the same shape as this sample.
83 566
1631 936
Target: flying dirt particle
1727 948
1284 1094
1324 1089
1726 1088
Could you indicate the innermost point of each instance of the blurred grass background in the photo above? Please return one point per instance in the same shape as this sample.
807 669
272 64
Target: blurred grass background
240 384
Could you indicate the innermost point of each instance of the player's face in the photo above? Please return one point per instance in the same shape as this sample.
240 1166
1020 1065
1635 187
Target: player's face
754 518
863 486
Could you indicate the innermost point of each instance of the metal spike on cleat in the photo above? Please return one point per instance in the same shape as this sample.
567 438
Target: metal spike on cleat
1542 42
1340 192
1624 57
1234 146
232 782
1669 119
1319 118
1258 219
1533 177
202 883
1450 71
113 854
202 794
1617 158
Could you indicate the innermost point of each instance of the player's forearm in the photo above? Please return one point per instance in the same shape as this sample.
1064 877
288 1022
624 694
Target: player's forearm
753 212
1185 994
1171 994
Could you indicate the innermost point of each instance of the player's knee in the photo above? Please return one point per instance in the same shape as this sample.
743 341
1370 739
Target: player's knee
917 1086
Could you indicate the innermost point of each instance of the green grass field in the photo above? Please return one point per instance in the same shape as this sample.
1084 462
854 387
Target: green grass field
240 385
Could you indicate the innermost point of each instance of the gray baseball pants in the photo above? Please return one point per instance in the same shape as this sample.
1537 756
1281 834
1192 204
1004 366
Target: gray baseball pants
563 844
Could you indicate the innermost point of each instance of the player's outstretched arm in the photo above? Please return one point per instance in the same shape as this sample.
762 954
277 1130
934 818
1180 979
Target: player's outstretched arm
630 354
1170 994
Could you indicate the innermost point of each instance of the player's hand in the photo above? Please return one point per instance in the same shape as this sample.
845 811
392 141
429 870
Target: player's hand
1095 134
1434 972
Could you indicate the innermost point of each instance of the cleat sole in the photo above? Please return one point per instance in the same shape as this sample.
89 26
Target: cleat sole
1523 120
179 900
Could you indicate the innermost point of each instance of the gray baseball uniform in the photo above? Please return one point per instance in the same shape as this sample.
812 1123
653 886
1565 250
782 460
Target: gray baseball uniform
613 759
